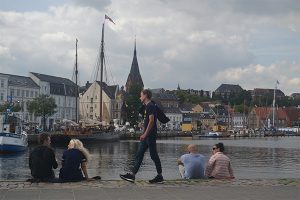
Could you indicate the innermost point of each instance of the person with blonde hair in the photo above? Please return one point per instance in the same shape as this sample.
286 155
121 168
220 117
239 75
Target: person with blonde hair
74 162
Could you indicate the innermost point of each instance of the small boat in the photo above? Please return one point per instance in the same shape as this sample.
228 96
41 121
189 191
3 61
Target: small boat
212 135
12 138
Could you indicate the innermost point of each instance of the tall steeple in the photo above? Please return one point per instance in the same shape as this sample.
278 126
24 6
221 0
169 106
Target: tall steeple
134 77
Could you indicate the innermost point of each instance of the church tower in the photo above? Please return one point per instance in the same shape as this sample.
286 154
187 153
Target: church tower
134 77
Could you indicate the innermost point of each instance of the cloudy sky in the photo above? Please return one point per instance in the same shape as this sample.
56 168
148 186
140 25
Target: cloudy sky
196 43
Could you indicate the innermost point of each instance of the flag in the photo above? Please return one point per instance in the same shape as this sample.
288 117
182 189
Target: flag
277 82
107 17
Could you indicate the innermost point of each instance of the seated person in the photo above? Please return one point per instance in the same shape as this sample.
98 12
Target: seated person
42 160
74 162
219 166
191 165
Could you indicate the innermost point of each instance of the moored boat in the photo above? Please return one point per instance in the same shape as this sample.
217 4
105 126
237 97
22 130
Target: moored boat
12 137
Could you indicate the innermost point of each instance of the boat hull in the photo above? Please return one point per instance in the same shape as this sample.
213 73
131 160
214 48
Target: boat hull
102 136
10 143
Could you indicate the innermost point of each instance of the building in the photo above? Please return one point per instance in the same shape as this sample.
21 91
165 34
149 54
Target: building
225 90
168 102
261 92
262 117
198 121
20 90
134 77
62 90
201 93
90 102
295 95
239 121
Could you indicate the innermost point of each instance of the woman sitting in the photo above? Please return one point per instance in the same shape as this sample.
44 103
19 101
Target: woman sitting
74 162
219 166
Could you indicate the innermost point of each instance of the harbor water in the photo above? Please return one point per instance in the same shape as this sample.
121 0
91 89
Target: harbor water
252 158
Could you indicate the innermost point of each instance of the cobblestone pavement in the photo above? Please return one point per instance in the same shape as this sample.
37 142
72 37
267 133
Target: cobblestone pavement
282 189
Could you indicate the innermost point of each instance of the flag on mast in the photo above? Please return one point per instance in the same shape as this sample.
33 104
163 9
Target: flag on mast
107 17
277 82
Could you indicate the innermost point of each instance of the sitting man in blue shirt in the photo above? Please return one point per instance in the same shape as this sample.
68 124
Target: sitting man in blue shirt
191 165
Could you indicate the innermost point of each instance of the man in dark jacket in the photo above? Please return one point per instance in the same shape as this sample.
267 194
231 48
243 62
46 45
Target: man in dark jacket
147 140
42 160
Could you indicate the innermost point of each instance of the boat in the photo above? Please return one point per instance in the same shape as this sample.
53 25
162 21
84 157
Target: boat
89 129
212 134
12 138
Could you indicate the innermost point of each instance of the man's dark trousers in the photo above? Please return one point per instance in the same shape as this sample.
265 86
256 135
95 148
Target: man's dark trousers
149 142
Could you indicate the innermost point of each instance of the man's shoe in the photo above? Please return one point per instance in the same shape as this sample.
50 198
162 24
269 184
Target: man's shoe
128 177
157 179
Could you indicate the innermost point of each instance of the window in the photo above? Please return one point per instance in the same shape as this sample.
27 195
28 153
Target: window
36 93
87 97
96 97
92 100
27 93
18 92
1 96
23 93
12 92
87 106
2 83
31 94
91 109
117 106
95 105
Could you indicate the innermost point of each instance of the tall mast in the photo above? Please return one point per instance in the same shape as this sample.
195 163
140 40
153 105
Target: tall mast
76 89
273 122
101 70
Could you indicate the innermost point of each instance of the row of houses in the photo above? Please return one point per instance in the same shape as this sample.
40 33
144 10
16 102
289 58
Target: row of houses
213 116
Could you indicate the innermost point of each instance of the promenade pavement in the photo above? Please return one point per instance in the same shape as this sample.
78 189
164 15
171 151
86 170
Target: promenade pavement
284 189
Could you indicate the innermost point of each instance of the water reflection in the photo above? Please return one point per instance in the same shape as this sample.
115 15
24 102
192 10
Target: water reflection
251 158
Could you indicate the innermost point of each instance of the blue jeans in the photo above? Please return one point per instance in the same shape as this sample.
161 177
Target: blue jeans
149 142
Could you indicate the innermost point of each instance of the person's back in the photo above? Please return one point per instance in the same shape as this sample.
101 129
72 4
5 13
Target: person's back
72 160
42 161
194 165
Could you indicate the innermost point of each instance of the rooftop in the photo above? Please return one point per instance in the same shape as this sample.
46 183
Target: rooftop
20 81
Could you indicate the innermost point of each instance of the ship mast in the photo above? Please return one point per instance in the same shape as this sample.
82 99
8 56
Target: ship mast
273 106
76 89
101 70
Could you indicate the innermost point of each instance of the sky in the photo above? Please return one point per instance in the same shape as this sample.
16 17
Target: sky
197 44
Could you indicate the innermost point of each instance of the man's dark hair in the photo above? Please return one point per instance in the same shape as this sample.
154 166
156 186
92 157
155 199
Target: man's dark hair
43 137
147 92
220 146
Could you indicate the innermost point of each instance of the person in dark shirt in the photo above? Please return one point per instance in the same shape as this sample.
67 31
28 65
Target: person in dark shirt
42 161
74 162
147 140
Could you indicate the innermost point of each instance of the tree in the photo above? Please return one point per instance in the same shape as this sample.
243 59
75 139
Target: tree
14 107
133 104
43 106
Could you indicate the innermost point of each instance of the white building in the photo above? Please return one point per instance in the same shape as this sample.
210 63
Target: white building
175 117
20 90
239 121
90 102
63 91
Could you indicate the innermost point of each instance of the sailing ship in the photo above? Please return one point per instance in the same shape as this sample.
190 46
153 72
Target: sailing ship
12 138
88 129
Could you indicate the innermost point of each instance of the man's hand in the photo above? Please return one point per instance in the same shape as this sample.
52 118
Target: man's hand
143 137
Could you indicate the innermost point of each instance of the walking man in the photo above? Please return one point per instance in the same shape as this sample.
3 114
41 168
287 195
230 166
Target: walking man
147 140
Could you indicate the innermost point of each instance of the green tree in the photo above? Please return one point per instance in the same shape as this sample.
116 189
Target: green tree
133 104
15 107
43 106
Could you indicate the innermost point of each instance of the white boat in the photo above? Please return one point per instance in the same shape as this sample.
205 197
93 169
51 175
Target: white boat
12 137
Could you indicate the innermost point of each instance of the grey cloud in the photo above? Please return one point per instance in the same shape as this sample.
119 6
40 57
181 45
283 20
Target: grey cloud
97 4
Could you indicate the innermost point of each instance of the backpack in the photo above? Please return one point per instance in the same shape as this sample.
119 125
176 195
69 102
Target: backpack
161 116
